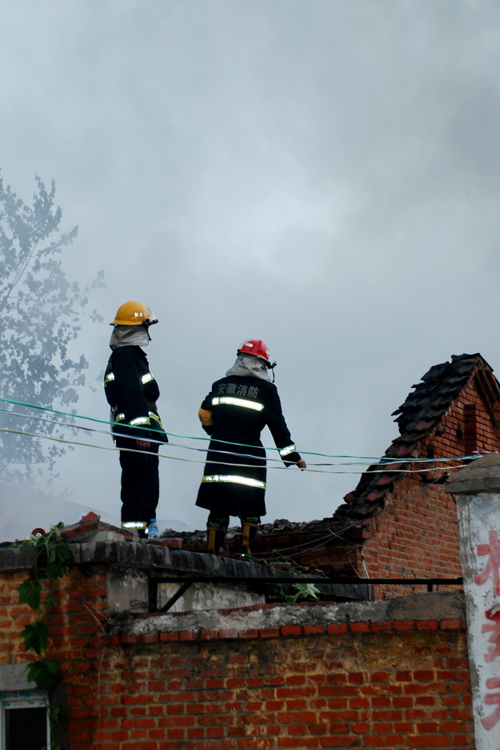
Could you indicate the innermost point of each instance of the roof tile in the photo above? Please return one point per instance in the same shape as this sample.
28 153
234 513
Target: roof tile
417 418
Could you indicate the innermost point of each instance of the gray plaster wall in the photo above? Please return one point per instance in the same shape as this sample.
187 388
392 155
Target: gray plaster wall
477 490
127 589
208 596
13 678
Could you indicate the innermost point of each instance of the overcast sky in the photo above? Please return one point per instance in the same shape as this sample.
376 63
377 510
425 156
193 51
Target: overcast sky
321 174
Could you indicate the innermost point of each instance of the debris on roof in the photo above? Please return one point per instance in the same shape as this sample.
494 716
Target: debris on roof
417 419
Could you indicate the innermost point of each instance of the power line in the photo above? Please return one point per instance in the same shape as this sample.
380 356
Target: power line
381 460
204 461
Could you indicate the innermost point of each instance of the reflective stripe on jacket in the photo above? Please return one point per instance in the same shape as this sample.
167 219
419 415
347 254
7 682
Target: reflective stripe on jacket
132 392
234 414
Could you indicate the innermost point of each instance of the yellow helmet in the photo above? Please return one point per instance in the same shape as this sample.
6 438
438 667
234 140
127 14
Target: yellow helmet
132 313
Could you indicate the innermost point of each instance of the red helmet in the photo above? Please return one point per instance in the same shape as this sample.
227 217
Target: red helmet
257 348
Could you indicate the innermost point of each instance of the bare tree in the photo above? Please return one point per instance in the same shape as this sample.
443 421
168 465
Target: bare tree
40 315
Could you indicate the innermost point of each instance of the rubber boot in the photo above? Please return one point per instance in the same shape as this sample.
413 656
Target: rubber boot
249 531
215 539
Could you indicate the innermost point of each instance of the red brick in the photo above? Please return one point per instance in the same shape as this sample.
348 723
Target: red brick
250 633
427 625
381 627
149 638
340 741
423 675
228 633
167 637
188 635
403 625
291 630
356 677
207 635
452 625
336 629
313 629
379 676
360 627
129 638
269 632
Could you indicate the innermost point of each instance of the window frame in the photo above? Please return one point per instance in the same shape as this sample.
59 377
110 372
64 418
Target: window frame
11 700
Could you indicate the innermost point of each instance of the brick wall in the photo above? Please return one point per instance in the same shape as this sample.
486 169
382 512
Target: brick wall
78 617
417 534
297 680
469 425
358 685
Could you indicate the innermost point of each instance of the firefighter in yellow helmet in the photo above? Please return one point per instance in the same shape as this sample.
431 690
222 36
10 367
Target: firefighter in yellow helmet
132 393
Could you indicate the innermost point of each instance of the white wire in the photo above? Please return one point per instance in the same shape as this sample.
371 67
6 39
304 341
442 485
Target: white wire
221 463
362 460
384 461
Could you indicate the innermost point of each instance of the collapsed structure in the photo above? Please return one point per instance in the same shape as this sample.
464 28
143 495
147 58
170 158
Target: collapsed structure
232 662
396 524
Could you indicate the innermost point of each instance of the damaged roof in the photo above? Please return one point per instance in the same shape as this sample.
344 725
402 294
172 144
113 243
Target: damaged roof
417 419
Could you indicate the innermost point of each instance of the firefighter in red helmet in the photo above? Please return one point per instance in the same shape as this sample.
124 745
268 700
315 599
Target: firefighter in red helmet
132 392
234 413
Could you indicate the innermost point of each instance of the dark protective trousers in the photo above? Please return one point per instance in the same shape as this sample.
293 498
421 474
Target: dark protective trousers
221 520
140 481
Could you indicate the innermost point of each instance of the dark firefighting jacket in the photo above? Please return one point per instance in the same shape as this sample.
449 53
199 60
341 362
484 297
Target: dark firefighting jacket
132 392
240 408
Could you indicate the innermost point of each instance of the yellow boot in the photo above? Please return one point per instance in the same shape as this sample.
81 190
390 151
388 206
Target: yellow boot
248 535
215 539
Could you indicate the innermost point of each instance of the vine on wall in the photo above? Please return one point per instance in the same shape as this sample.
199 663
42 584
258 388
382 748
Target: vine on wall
38 593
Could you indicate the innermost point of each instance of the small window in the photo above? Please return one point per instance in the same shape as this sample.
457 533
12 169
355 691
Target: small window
24 721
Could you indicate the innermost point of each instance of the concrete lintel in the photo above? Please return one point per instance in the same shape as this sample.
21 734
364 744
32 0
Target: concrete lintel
156 561
213 565
155 558
482 476
13 678
123 553
434 606
12 559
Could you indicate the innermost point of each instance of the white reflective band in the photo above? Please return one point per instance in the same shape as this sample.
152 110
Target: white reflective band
134 524
109 377
139 420
287 450
120 417
237 402
147 378
235 479
155 417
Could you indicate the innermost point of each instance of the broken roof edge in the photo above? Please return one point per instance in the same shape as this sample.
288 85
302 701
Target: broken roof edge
367 500
419 418
92 542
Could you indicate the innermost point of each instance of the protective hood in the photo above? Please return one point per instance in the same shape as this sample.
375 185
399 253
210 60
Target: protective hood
248 366
128 336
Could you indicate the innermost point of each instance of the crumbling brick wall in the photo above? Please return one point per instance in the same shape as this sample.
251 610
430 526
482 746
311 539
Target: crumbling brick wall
416 533
416 536
382 685
302 682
